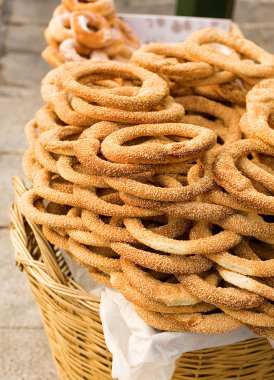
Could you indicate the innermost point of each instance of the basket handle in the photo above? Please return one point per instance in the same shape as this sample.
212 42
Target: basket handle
47 253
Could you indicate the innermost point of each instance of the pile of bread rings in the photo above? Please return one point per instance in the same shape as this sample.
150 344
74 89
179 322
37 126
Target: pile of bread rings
81 30
162 185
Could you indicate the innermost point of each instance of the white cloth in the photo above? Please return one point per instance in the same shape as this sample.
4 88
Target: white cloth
139 351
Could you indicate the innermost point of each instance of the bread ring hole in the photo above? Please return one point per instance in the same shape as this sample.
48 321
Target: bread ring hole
267 218
92 26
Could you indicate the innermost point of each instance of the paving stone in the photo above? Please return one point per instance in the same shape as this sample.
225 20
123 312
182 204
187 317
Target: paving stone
9 165
25 355
253 11
23 69
32 11
18 308
24 38
15 112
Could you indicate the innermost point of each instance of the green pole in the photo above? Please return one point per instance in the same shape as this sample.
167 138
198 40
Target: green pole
205 8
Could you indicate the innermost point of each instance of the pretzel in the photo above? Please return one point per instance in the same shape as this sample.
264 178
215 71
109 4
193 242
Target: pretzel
60 28
91 30
195 49
102 7
68 51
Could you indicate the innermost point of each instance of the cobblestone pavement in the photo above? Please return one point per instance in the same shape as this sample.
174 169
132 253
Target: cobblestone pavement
24 349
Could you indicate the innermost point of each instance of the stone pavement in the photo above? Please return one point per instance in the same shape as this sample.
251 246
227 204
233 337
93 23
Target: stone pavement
24 349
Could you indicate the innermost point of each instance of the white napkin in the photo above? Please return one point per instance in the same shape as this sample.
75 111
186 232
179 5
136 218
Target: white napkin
139 351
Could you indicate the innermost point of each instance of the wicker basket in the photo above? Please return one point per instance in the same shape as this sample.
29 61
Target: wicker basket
74 328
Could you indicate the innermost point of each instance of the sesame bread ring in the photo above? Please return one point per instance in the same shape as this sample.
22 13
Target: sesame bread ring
210 324
244 266
260 104
88 258
45 158
243 260
202 139
230 297
116 232
99 276
170 60
47 119
217 78
176 193
188 210
152 92
267 332
91 30
119 282
248 283
250 317
88 238
102 7
87 149
169 111
195 49
163 292
211 244
44 186
54 94
29 163
233 181
60 140
228 115
251 224
88 199
56 237
257 172
162 263
70 170
28 203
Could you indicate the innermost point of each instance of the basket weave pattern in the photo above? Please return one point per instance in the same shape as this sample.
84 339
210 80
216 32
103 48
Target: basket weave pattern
71 319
